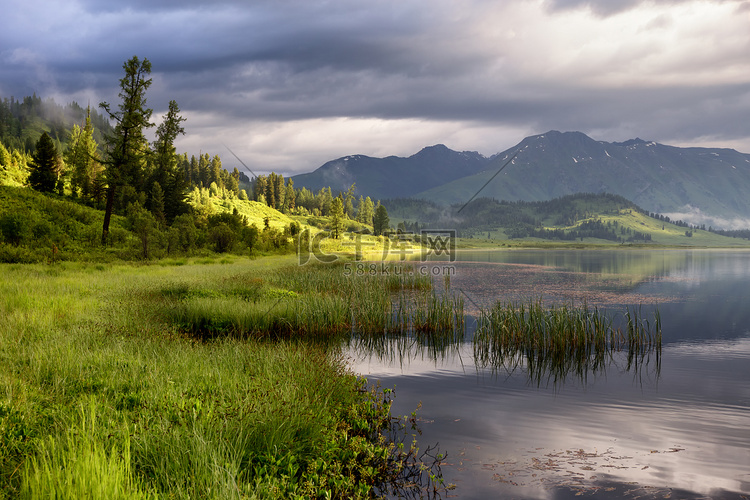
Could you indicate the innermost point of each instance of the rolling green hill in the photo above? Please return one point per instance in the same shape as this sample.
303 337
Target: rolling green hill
587 218
38 227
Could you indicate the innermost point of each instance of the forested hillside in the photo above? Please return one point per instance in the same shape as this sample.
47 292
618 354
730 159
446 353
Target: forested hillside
99 187
22 123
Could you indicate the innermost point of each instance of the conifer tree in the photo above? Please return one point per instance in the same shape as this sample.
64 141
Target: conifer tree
43 175
360 205
215 171
157 205
167 174
290 198
349 207
326 198
348 201
380 221
204 170
82 159
337 218
259 188
279 192
127 146
270 190
194 172
365 211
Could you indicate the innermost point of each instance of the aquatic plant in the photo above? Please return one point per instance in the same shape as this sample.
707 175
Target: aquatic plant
552 342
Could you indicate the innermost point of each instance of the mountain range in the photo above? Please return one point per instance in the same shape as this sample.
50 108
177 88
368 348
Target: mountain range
699 185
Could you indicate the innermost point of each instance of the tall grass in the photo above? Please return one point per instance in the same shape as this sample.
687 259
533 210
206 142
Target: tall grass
83 463
320 302
554 341
103 395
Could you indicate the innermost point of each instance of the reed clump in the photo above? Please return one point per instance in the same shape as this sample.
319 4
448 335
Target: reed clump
557 340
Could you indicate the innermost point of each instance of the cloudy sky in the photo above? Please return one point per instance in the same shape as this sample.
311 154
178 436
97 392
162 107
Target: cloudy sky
290 84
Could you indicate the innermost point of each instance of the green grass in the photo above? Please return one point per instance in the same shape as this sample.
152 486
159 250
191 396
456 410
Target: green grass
319 302
103 395
553 342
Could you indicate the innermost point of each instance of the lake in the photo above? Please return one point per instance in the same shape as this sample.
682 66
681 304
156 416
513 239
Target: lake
672 424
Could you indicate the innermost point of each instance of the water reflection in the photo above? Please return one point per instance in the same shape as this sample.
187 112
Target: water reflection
623 431
415 356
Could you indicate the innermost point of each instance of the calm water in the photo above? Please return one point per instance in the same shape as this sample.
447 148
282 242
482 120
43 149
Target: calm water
678 428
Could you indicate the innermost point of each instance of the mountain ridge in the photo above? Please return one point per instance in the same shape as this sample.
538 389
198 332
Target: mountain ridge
700 185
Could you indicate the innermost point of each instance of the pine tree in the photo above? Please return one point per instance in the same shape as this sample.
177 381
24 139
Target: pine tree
360 205
43 176
167 173
348 200
157 205
365 211
279 192
195 177
234 179
204 170
232 183
259 188
337 218
270 191
215 171
128 144
82 159
291 197
380 221
349 207
326 200
305 198
165 155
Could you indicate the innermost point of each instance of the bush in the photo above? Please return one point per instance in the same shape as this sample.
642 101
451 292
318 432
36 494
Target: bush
20 255
222 237
185 233
14 228
144 225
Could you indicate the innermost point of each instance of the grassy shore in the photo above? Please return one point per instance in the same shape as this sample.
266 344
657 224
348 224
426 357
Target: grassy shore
222 377
113 388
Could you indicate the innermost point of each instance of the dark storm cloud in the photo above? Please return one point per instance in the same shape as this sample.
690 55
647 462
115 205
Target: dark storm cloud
517 66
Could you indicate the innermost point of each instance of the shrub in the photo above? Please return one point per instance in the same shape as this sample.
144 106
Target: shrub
14 228
222 237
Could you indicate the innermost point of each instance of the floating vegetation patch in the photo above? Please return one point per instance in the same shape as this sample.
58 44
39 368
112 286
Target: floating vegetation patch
581 472
554 342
